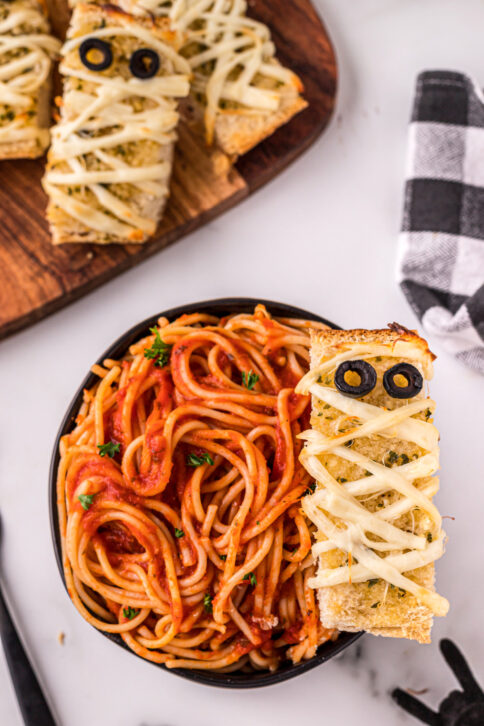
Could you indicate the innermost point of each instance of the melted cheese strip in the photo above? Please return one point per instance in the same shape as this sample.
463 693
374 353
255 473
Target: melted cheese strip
235 57
349 524
25 65
106 108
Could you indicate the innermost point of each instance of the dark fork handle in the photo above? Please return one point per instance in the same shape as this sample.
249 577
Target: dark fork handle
34 707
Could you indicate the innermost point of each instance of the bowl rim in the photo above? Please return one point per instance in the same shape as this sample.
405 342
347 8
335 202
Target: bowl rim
220 307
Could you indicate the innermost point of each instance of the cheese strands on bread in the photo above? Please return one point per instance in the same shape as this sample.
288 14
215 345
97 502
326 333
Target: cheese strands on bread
110 163
239 87
372 451
26 54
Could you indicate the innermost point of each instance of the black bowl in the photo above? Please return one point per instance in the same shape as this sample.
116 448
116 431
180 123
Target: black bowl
224 306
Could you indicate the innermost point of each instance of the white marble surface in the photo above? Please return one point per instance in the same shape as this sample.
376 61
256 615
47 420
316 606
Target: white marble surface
340 207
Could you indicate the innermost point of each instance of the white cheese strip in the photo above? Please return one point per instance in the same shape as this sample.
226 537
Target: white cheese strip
422 433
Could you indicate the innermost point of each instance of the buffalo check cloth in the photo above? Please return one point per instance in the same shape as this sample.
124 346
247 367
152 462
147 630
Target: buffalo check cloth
441 247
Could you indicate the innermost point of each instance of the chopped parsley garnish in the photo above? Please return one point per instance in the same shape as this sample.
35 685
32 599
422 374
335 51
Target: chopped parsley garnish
194 460
375 604
179 533
349 443
310 490
372 582
326 405
207 603
130 613
249 379
368 473
109 449
159 351
429 537
223 557
341 479
392 457
86 500
253 579
428 413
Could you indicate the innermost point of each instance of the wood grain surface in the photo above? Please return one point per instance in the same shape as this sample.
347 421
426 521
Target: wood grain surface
37 278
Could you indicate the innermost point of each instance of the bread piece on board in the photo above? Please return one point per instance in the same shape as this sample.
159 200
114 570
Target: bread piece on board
239 87
110 163
26 54
373 456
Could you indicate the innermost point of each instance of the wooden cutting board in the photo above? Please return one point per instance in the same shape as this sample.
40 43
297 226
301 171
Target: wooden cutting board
37 278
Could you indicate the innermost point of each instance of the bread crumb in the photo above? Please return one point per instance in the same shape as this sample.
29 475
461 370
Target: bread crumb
61 638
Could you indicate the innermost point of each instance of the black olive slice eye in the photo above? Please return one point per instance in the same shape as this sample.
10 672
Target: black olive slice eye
402 381
96 54
144 63
360 383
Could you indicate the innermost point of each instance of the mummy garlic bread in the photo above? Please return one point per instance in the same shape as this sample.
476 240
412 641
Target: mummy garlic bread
26 54
373 451
111 157
239 87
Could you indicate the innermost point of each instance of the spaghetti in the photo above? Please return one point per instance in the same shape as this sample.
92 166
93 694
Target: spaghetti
179 496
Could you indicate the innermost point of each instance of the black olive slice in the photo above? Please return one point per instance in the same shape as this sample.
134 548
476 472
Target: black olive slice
412 376
103 54
144 63
366 373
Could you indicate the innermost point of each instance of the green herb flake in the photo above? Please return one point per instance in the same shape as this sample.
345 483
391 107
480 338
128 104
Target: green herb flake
194 460
109 449
375 604
179 533
392 457
326 405
349 443
86 500
253 579
368 473
223 557
249 379
207 603
310 490
372 582
159 351
130 613
429 537
341 479
428 414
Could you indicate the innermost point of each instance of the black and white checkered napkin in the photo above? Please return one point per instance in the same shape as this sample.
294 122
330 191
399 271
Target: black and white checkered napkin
441 254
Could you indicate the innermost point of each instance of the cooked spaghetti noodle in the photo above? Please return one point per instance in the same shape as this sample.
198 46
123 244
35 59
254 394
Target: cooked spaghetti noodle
179 491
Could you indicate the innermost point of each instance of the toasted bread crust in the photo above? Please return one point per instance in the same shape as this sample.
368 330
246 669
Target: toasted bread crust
236 133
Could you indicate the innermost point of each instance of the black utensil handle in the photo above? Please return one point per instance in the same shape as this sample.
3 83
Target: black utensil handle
34 707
